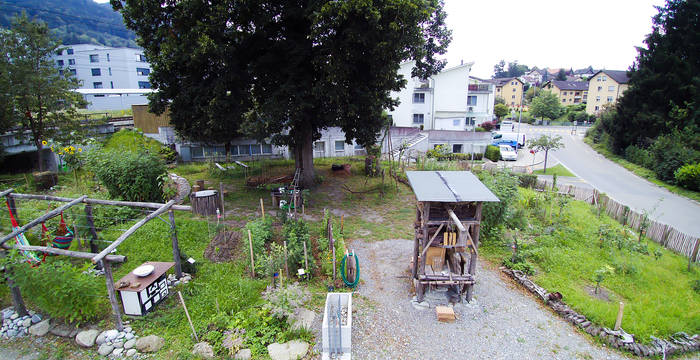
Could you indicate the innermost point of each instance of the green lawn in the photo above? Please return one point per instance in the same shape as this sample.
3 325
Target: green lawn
642 171
658 293
558 169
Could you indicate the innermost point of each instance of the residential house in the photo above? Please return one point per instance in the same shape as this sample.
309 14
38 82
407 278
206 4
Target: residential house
568 92
111 78
605 87
439 102
584 73
532 77
480 101
510 89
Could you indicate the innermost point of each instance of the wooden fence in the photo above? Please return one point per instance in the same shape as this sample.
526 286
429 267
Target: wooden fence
661 233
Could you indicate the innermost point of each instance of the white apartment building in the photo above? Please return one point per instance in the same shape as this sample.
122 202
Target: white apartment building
117 77
480 101
437 103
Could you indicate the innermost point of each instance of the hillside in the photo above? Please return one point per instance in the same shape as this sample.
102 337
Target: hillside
73 21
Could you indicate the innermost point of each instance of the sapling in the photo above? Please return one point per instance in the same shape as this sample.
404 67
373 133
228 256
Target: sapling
600 275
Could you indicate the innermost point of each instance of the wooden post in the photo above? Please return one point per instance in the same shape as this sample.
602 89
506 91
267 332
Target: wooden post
694 254
475 240
187 313
262 209
306 259
252 260
176 246
620 311
221 194
112 295
93 233
17 298
286 266
342 223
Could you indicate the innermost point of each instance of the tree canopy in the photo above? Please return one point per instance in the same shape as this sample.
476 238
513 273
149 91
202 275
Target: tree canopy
40 99
284 69
546 143
664 85
500 110
561 75
513 70
545 105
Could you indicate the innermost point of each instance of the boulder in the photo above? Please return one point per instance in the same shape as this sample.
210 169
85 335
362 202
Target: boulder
301 319
117 352
131 352
150 343
203 350
290 350
62 330
243 354
111 334
118 344
40 328
129 344
36 318
87 338
27 322
105 349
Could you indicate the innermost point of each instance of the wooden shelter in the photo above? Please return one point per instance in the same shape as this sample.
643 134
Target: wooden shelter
448 216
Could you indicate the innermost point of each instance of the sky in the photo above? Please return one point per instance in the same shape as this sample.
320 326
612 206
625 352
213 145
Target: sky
546 33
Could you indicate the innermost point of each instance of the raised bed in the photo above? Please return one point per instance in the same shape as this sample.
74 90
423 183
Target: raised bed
337 326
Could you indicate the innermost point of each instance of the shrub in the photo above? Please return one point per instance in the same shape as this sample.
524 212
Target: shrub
696 286
261 233
492 153
488 125
60 289
638 156
670 153
527 180
283 300
132 176
505 186
296 233
688 176
438 151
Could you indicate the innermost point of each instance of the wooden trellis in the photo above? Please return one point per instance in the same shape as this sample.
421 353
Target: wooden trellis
102 258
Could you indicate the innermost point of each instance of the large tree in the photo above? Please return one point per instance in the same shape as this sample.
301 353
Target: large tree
42 99
284 69
664 85
545 105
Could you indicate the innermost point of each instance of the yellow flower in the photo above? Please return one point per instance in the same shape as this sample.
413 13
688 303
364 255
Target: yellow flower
51 148
72 148
43 142
80 149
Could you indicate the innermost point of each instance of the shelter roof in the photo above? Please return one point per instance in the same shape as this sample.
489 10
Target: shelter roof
448 186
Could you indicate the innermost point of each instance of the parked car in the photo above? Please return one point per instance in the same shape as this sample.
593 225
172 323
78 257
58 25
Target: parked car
508 138
507 153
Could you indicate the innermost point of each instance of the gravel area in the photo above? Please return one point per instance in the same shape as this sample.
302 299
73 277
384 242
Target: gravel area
501 323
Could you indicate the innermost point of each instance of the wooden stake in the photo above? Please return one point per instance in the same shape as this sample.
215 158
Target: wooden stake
262 209
17 298
112 295
620 311
694 254
188 315
306 259
176 246
342 222
286 266
221 194
252 260
303 211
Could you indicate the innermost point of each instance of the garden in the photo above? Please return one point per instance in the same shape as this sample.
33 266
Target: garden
565 245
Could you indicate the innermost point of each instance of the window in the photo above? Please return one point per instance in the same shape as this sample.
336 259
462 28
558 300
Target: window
320 146
59 52
471 100
144 85
456 148
60 72
358 147
267 148
603 78
563 100
456 122
255 149
512 97
59 62
197 152
71 61
418 118
610 99
96 72
597 98
470 120
419 98
611 88
597 107
498 89
111 84
73 72
512 103
514 90
564 93
339 145
143 71
110 71
598 80
107 57
94 58
69 51
234 150
512 82
140 58
97 85
244 149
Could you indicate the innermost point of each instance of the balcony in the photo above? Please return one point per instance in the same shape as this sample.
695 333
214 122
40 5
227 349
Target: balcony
480 88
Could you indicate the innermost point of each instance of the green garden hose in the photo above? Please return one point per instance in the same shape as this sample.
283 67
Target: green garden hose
357 271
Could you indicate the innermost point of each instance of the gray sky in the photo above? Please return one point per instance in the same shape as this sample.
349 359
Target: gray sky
547 33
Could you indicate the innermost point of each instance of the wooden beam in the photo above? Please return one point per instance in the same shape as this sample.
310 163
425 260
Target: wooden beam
425 248
75 254
131 230
41 219
5 192
456 220
138 204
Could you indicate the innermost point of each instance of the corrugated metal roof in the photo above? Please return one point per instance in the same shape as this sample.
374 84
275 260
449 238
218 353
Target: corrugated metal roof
448 186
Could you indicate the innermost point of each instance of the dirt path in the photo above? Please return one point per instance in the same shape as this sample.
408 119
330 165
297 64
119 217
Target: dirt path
502 322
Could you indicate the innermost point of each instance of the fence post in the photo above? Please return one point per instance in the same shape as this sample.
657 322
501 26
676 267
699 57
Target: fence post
112 295
17 298
176 246
694 254
93 233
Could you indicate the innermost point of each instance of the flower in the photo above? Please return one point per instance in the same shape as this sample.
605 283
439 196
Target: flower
43 142
80 149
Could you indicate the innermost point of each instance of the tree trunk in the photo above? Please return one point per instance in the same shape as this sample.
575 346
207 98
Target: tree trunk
228 151
40 154
546 152
304 159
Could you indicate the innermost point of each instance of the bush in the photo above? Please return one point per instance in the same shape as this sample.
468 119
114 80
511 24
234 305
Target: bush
60 289
493 153
527 180
688 176
505 186
261 233
638 156
296 233
670 154
488 125
132 176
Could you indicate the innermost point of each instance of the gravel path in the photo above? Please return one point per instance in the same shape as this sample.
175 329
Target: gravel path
502 322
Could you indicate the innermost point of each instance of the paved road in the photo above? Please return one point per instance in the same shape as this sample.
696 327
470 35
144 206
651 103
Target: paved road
621 184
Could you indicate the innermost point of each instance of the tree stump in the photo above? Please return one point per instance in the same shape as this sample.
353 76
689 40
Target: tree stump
205 202
45 180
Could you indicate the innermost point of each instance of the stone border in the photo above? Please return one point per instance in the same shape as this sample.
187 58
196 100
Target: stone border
678 343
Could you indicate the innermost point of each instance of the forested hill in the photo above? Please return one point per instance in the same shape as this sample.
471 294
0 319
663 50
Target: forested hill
73 21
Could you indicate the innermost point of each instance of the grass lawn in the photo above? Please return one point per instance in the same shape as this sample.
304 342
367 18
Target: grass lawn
558 169
642 171
658 293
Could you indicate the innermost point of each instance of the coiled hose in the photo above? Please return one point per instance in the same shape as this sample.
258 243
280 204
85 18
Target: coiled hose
357 271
